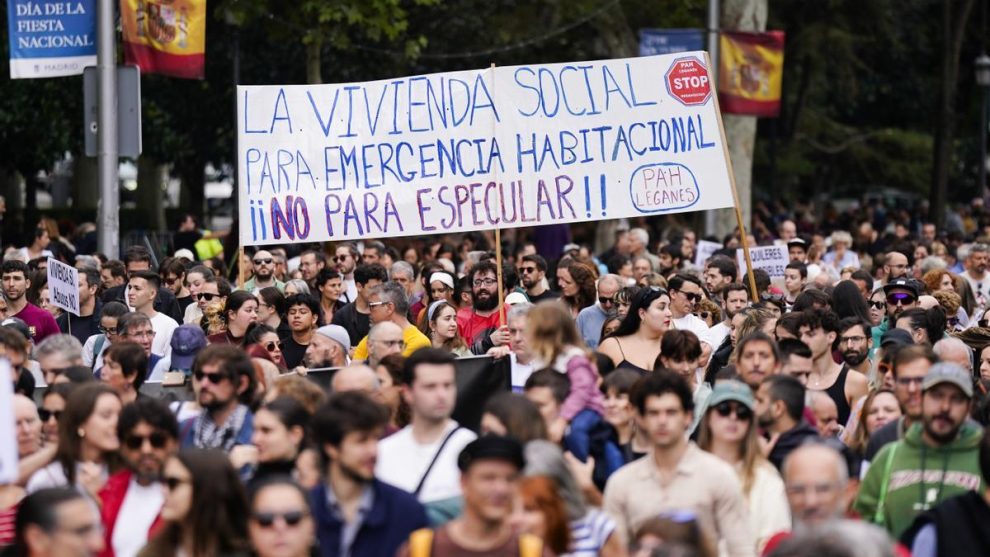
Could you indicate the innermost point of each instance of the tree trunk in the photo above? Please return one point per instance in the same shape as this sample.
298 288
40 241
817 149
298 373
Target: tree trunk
955 13
150 192
314 74
740 131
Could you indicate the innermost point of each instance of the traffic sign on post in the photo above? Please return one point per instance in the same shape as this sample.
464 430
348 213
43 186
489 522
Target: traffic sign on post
687 81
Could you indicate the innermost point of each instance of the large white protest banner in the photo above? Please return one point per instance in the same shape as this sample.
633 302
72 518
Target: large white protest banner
772 259
501 147
63 286
8 432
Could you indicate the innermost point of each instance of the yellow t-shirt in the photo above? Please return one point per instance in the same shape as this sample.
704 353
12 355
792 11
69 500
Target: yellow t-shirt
412 336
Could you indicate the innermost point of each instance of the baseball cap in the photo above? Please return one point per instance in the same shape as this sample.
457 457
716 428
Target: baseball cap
492 447
905 284
731 390
571 247
797 242
895 337
337 334
187 341
947 372
186 253
18 325
516 298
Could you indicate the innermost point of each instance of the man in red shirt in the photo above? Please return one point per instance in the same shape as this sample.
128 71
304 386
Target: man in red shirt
480 323
14 275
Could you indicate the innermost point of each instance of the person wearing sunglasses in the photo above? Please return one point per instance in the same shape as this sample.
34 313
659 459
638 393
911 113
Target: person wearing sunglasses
728 430
533 277
172 271
591 318
263 263
685 293
132 498
204 510
346 258
225 379
877 307
898 295
281 523
389 304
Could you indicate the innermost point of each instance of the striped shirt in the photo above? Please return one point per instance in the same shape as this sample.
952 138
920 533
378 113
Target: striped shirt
589 533
7 518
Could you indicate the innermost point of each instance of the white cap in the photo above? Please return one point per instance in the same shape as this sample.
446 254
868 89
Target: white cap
337 334
185 253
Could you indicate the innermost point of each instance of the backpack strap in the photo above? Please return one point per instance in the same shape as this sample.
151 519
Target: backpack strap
97 346
878 516
421 543
530 546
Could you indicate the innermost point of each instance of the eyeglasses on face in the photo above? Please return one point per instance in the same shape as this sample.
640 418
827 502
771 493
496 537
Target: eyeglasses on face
878 304
215 378
900 298
263 261
268 519
485 282
691 296
376 304
725 409
157 439
606 301
46 415
208 296
271 346
108 330
527 270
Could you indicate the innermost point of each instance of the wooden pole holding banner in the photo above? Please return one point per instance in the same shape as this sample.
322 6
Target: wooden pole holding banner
735 193
240 267
498 236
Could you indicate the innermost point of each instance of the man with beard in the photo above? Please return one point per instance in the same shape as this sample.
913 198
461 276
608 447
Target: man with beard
897 266
735 299
855 343
421 458
328 347
41 324
936 460
480 322
346 259
356 316
818 329
87 323
357 514
311 262
132 498
670 259
224 378
388 303
720 272
758 357
264 273
533 275
779 411
676 475
976 273
901 294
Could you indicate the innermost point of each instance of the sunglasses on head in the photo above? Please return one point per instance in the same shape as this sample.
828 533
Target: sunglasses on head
206 296
46 415
724 409
215 378
901 298
157 439
879 304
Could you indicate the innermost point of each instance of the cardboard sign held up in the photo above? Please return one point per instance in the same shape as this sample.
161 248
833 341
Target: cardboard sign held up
63 286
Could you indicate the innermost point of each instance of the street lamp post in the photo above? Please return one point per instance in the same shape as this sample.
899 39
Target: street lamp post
982 65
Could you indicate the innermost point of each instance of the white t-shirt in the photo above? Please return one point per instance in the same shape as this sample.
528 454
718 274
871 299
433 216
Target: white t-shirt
402 462
192 315
520 373
137 513
350 290
163 326
693 323
717 334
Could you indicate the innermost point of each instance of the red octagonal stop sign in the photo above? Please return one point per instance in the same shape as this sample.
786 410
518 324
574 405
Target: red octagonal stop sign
687 81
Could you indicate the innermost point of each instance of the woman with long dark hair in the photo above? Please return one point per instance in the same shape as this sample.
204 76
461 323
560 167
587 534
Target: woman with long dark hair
240 311
577 286
204 510
635 344
848 301
264 338
87 441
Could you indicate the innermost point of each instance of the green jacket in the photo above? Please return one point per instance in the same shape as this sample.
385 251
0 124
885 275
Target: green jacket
916 477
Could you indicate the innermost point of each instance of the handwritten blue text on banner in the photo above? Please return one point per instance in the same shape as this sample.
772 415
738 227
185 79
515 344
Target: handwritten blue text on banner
503 147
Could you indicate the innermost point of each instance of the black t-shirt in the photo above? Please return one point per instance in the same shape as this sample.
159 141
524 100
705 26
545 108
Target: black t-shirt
184 303
547 295
293 352
82 327
357 324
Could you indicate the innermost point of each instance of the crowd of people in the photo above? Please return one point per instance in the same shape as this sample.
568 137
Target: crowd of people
654 403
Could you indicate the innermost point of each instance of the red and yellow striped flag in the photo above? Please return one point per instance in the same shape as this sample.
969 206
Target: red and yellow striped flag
165 36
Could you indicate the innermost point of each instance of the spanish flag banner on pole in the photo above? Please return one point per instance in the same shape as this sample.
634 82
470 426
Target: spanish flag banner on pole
165 36
751 68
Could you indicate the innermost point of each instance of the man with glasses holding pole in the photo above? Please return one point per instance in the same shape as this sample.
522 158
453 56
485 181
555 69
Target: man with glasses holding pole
591 318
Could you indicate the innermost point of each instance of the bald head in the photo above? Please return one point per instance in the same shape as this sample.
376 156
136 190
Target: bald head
383 339
359 378
826 413
896 264
28 426
815 477
927 302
